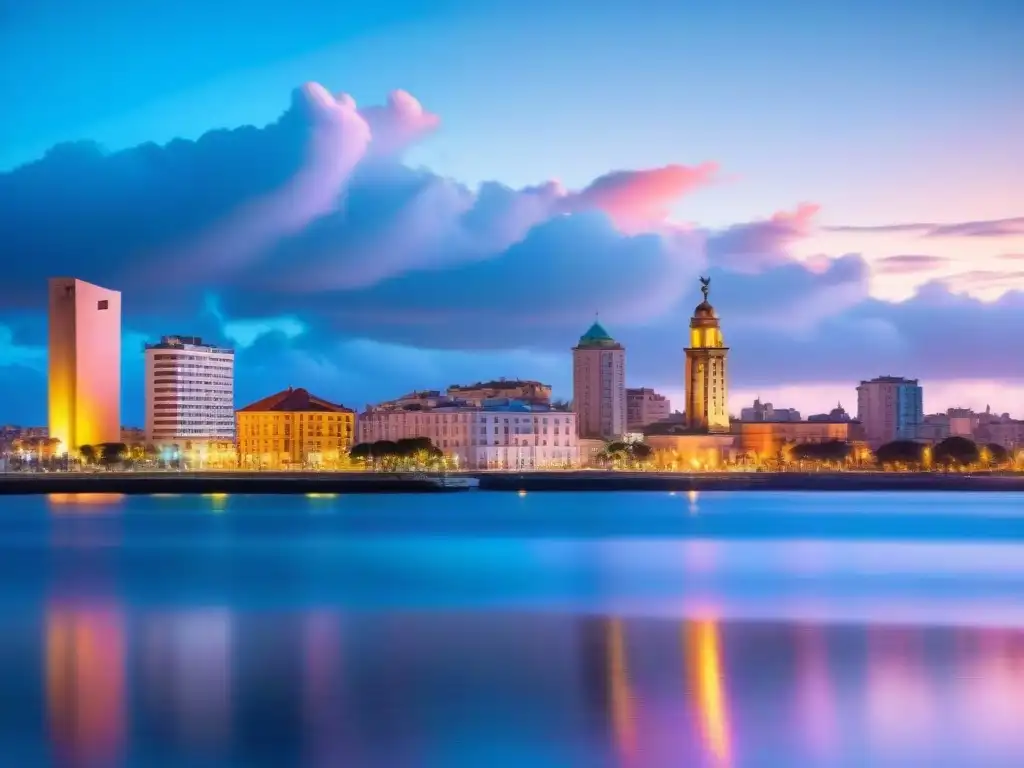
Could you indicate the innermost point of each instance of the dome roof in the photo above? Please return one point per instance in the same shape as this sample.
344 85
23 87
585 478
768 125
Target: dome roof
597 336
704 310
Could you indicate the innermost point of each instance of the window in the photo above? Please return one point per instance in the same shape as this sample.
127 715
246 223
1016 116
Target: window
102 304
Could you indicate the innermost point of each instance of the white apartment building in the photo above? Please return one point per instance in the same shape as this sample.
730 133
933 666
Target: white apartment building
190 393
500 435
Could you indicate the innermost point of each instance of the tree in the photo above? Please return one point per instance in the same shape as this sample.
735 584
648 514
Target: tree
88 453
831 450
409 447
112 453
996 454
361 451
900 452
956 451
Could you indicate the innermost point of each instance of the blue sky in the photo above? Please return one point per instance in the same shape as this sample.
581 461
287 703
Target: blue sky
876 112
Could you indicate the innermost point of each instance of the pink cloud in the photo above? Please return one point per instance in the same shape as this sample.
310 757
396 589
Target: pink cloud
905 264
638 199
757 245
399 123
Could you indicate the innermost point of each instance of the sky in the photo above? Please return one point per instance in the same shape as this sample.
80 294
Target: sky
367 198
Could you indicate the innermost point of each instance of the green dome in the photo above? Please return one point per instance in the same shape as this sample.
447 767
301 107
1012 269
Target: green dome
596 336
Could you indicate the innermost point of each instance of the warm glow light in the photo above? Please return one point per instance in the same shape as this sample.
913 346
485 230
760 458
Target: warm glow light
705 662
84 499
522 493
321 495
621 697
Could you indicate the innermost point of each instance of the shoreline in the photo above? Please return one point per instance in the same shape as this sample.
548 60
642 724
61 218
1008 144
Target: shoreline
133 483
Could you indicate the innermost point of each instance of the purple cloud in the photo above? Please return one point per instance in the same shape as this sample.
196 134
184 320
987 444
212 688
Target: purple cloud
991 228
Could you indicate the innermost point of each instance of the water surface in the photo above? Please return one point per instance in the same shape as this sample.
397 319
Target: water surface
602 629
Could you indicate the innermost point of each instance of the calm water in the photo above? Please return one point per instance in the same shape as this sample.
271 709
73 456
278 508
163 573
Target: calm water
502 630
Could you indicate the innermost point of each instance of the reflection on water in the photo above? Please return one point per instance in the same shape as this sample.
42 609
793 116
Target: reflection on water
199 640
451 689
85 685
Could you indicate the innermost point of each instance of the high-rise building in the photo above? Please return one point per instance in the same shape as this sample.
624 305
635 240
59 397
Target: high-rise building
294 428
599 385
706 379
190 393
84 364
889 408
645 407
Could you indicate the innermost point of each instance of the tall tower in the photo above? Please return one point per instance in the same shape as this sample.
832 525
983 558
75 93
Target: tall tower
84 364
706 395
599 385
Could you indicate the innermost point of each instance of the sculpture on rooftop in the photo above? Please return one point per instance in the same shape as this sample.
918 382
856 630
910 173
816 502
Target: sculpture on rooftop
705 286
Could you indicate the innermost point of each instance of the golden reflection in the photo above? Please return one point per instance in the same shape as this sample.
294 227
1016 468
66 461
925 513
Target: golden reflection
218 501
83 499
704 663
85 686
623 704
321 495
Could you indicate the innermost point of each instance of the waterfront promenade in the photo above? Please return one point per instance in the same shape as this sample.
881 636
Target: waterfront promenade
581 480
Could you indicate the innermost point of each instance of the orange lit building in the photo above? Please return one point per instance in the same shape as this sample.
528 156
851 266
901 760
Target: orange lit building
293 429
85 364
766 438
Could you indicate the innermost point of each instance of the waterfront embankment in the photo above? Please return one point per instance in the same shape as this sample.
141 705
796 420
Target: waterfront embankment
374 482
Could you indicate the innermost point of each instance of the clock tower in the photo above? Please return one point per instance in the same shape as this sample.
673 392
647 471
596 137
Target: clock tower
706 393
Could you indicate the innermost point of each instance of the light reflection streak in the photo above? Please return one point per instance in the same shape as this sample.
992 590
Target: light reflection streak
622 701
59 502
816 697
321 680
85 683
702 642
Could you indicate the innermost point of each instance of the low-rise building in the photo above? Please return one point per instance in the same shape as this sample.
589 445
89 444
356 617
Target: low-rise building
294 429
766 439
498 434
514 389
645 407
767 412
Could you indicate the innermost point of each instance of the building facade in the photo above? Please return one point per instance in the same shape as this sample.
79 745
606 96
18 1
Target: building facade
599 385
890 408
84 364
765 439
499 434
190 394
706 376
514 389
767 412
294 429
644 407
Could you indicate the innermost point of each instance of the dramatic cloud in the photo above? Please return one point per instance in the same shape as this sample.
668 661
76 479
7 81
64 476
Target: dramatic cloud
992 228
757 245
328 262
909 264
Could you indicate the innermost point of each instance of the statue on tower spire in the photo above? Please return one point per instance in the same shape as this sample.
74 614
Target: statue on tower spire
705 286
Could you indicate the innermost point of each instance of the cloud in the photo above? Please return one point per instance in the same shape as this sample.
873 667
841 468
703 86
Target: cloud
337 266
1011 227
1012 256
637 199
905 264
756 245
399 123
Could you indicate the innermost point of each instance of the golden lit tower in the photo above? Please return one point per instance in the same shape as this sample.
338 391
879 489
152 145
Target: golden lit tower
706 370
85 364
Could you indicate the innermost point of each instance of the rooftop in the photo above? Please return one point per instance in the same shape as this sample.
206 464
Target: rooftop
294 401
182 342
597 336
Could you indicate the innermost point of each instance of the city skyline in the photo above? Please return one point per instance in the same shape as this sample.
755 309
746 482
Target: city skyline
857 224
